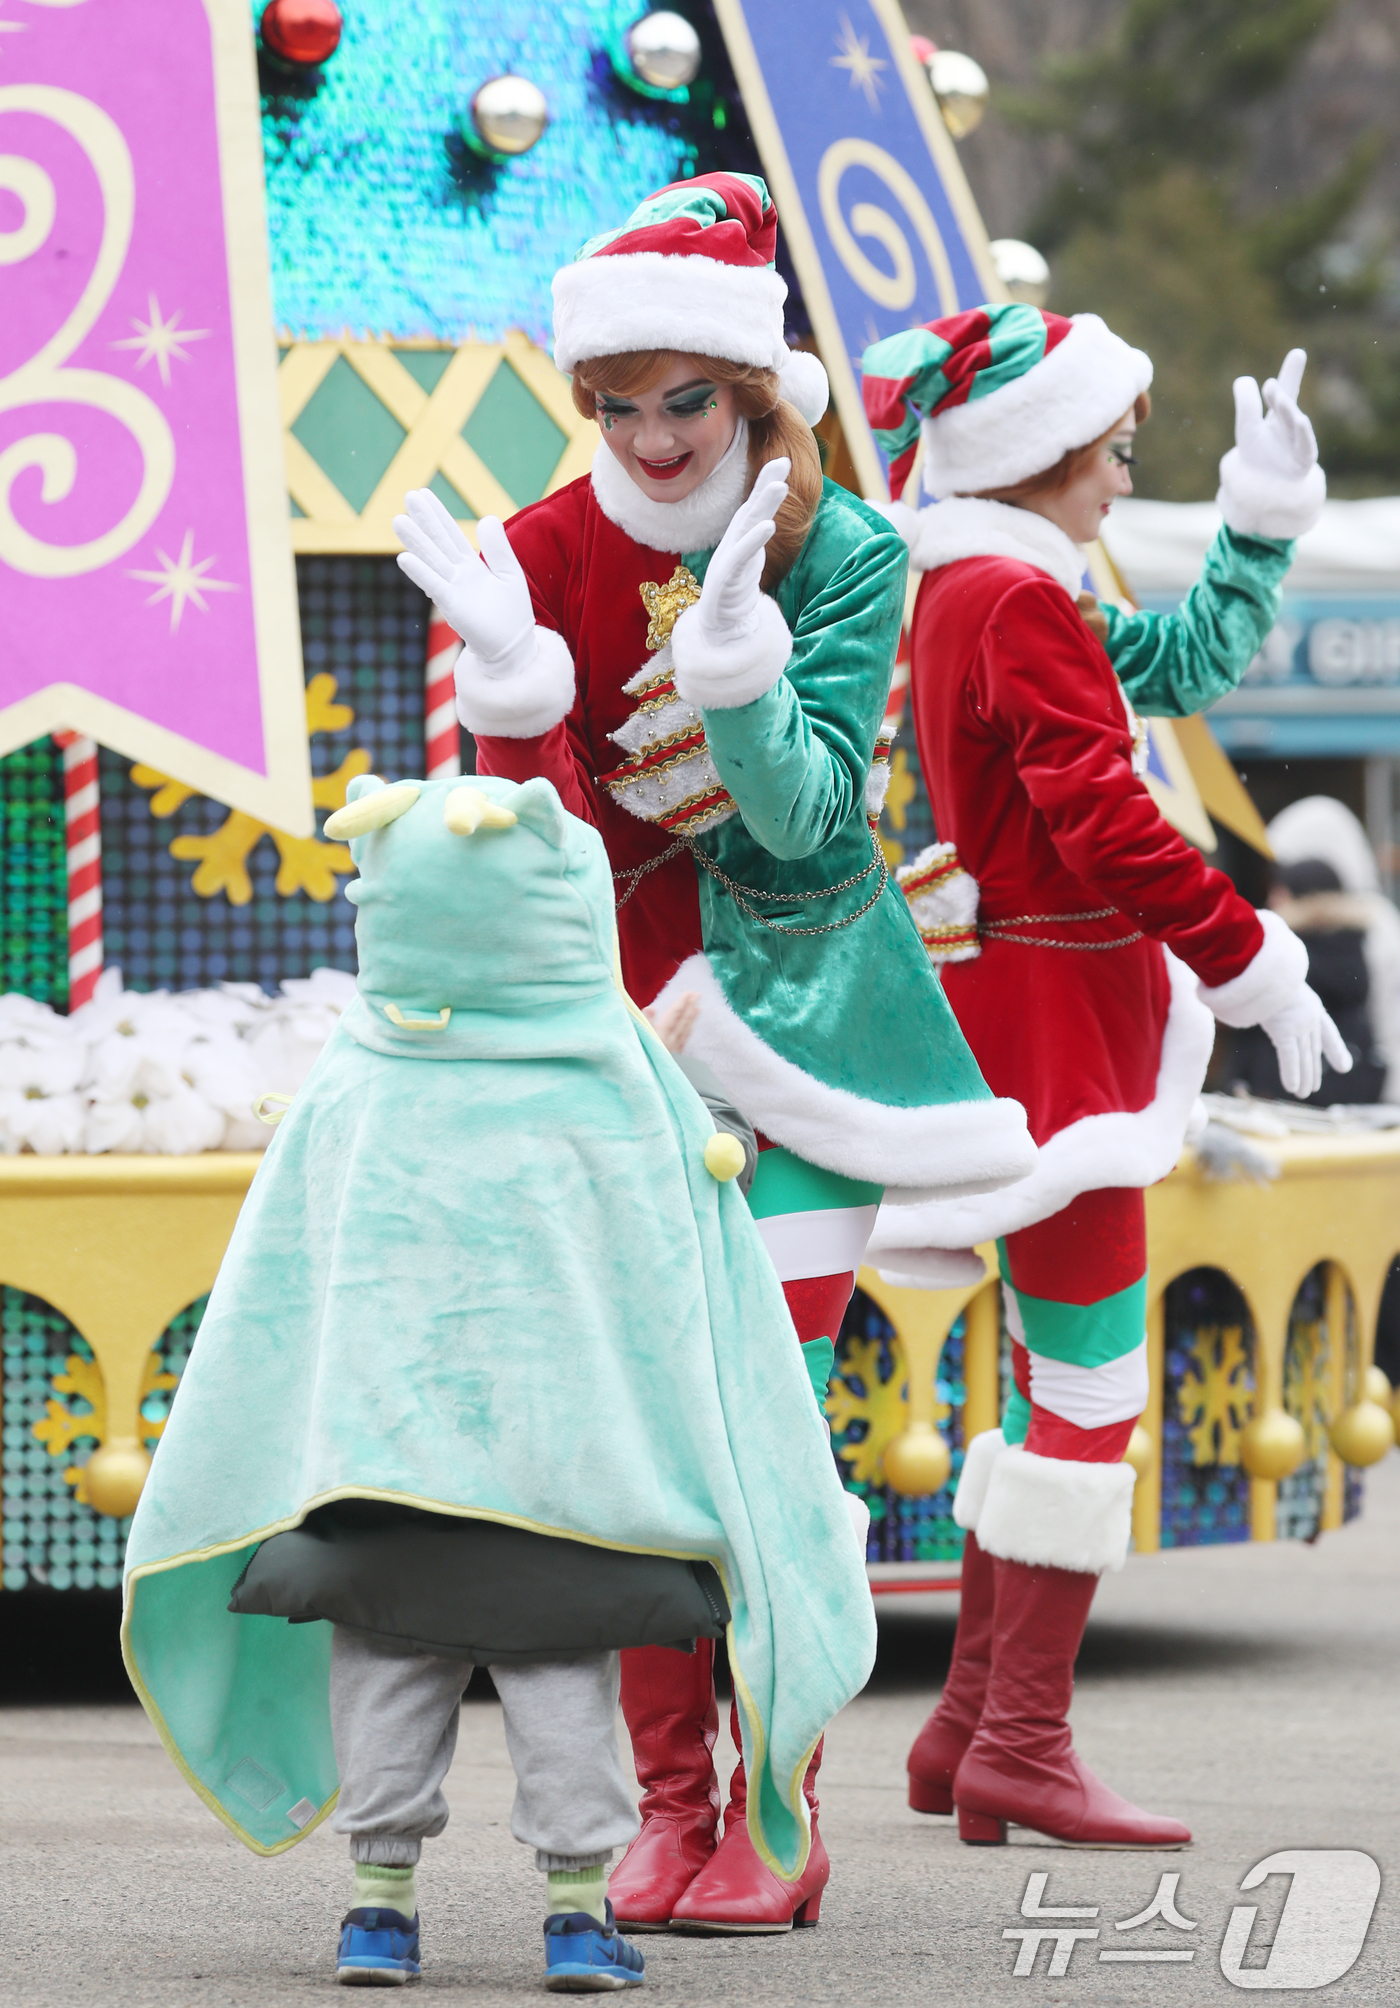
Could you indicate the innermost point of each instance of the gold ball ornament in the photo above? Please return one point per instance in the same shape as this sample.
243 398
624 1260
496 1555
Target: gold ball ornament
664 50
1141 1452
115 1474
918 1462
961 88
1363 1433
1273 1445
1375 1387
509 115
724 1156
1021 269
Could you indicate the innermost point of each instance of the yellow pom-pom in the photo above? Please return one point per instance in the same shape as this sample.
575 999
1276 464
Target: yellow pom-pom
724 1156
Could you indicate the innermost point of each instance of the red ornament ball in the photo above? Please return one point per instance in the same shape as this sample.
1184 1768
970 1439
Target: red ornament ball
304 32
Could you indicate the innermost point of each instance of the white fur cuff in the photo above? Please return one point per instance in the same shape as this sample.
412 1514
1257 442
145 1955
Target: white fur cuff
1273 978
1053 1512
928 1268
1256 504
524 704
720 675
968 1500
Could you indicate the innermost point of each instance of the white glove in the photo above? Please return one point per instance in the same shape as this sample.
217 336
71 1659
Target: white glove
485 599
1270 482
728 611
1302 1033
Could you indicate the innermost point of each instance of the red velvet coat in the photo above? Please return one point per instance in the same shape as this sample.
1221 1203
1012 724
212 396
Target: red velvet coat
1026 748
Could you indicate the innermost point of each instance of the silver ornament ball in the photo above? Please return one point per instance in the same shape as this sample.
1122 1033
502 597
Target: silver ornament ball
664 50
961 88
1021 269
509 114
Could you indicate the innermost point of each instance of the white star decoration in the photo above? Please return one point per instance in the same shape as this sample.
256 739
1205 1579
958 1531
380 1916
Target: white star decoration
865 69
181 579
159 340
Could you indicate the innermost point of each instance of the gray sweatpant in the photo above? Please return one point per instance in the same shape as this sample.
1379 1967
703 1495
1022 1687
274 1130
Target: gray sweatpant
394 1719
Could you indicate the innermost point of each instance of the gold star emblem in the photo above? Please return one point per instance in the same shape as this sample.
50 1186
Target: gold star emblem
665 604
182 579
864 68
158 340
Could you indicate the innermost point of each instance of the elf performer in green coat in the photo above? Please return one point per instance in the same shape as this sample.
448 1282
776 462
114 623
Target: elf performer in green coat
1087 951
695 644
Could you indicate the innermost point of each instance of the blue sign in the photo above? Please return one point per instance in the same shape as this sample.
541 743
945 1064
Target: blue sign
882 227
1326 683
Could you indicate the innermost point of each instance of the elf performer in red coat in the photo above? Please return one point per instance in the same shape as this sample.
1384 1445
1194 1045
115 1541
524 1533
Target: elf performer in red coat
694 644
1087 951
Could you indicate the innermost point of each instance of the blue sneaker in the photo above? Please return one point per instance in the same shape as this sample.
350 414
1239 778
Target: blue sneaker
582 1956
378 1948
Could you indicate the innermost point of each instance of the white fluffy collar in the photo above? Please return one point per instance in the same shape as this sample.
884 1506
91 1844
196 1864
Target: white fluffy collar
966 527
696 522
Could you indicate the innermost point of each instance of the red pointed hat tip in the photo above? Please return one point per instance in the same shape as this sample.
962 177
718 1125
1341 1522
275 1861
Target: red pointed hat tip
301 31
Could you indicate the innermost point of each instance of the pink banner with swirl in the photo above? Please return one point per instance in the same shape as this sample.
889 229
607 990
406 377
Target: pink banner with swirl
145 566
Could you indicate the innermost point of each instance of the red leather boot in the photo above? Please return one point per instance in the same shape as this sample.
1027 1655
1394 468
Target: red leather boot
1021 1765
735 1892
939 1746
668 1703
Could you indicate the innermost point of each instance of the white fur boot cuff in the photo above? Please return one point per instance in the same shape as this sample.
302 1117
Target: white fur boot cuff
982 1454
1057 1513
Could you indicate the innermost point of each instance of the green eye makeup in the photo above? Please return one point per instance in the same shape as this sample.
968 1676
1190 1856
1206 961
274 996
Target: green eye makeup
1122 456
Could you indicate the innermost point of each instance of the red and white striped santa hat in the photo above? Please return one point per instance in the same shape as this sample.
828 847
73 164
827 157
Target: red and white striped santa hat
692 269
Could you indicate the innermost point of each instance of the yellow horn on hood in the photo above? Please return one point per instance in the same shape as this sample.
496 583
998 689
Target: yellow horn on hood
467 810
373 811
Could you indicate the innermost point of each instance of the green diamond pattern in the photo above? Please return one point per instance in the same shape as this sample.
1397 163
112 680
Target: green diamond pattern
349 434
516 437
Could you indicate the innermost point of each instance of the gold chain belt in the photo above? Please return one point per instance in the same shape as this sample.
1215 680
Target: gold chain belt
996 930
743 895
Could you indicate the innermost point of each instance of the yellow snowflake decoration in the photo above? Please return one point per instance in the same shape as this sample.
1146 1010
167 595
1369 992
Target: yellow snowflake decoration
1306 1381
309 864
62 1426
884 1407
899 794
1216 1407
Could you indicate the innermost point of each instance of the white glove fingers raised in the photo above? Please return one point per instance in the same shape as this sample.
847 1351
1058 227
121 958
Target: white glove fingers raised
433 520
770 489
416 540
423 576
1249 410
1290 376
753 538
496 549
1334 1046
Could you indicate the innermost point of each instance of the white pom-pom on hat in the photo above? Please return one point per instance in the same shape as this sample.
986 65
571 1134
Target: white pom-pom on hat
802 382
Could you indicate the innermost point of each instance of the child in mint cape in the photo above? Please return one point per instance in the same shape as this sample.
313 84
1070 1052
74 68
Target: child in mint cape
496 1371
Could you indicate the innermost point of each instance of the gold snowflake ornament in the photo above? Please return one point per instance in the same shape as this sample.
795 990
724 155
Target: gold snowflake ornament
309 864
63 1426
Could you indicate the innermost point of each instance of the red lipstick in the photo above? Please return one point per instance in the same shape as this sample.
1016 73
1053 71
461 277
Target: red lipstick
665 470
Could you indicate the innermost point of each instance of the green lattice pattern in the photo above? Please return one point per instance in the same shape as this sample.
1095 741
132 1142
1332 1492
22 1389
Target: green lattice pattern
34 906
49 1538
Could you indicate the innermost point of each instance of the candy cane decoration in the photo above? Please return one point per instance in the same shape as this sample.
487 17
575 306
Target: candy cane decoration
444 746
82 820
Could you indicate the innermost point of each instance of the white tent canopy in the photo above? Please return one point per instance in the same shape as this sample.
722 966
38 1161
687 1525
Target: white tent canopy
1158 547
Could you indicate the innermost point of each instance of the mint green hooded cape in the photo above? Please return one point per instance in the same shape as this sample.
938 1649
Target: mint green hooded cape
483 1269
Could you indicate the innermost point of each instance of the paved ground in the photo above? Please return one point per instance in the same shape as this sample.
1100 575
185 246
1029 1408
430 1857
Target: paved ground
1251 1691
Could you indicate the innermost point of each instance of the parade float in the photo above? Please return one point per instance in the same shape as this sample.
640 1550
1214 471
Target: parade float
207 638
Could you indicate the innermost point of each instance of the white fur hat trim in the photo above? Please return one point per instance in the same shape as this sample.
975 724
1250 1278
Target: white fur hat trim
608 305
1070 397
